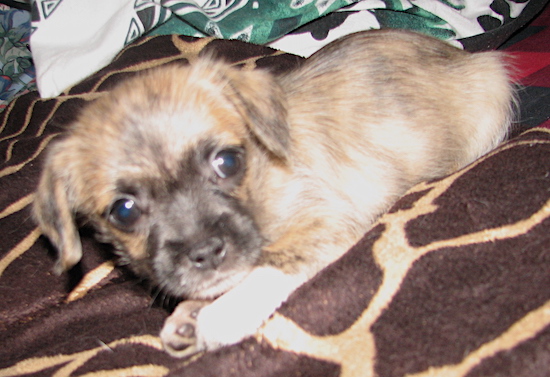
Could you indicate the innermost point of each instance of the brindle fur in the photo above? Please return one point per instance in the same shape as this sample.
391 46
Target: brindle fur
327 148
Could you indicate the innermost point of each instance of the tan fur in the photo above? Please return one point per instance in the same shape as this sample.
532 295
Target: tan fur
329 147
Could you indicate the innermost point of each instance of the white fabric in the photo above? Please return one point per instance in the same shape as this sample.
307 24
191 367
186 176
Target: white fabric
77 38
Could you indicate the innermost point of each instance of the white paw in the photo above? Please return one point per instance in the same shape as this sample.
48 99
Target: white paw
178 334
229 319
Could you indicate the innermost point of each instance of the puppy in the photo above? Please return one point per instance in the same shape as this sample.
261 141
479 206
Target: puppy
231 188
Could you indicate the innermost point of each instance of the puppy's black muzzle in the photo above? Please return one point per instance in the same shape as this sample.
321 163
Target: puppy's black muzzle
199 240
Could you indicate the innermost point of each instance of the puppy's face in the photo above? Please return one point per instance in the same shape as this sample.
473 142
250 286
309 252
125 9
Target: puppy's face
161 166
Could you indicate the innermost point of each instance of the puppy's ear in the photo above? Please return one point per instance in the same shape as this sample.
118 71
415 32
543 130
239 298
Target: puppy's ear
263 104
54 209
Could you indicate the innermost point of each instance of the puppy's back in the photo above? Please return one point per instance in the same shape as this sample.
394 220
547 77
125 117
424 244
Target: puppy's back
407 93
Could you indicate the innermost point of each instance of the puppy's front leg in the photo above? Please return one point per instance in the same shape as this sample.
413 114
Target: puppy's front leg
197 326
178 334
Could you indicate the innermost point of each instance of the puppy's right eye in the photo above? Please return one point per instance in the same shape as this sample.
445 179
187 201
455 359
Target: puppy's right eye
124 214
227 163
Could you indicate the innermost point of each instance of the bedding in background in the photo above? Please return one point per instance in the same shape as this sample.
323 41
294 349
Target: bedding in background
73 38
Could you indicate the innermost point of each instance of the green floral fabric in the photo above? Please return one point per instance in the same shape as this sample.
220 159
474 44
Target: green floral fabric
263 22
253 21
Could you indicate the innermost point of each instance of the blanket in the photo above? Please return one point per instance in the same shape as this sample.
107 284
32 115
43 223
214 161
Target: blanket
452 281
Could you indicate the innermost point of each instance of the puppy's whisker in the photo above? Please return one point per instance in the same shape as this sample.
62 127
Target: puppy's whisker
155 295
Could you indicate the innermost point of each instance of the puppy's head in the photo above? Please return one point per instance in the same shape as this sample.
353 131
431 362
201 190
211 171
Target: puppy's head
161 167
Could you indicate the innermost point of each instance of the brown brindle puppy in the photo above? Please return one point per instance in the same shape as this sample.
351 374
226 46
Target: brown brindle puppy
232 188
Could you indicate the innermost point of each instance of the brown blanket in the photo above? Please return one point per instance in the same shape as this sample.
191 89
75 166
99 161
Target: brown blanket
454 281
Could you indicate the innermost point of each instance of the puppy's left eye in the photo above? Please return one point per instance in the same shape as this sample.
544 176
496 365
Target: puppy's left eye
124 213
227 163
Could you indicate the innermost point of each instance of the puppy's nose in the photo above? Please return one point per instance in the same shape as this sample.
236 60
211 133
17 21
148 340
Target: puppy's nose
209 254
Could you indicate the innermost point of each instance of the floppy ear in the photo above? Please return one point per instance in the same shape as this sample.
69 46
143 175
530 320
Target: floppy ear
54 210
263 104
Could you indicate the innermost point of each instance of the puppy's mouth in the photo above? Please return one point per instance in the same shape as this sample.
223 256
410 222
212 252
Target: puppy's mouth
212 287
206 270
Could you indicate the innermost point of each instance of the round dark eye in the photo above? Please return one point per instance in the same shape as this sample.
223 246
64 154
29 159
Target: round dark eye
227 163
124 213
